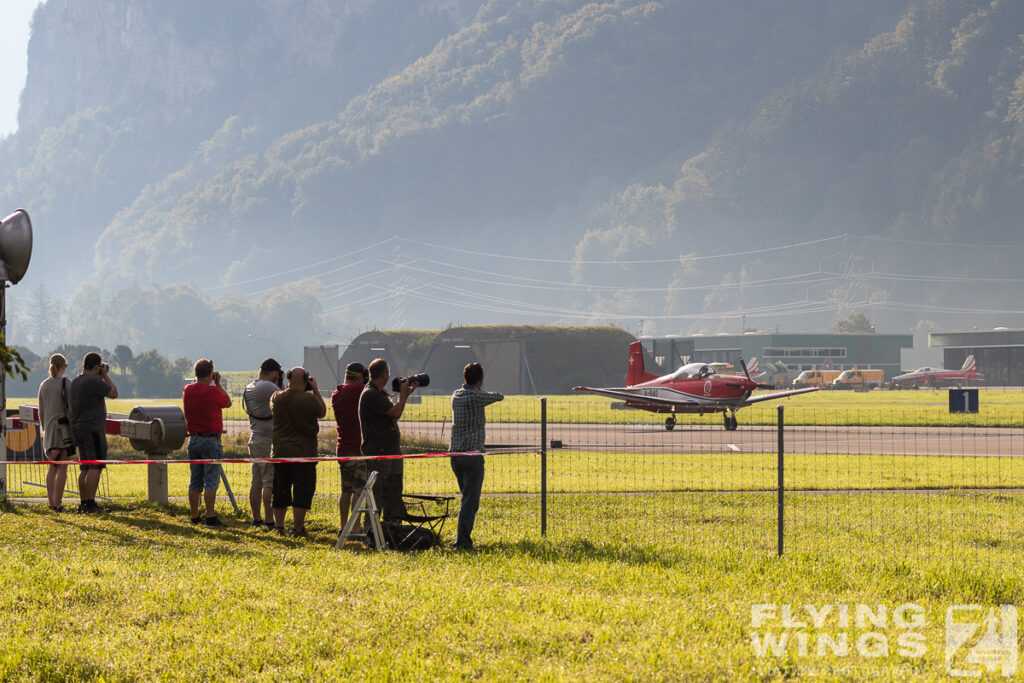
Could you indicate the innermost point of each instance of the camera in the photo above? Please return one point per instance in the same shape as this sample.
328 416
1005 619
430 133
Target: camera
104 368
420 379
309 384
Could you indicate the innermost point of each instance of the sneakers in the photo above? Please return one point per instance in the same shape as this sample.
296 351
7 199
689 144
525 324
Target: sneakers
197 519
299 533
257 523
269 525
89 507
212 522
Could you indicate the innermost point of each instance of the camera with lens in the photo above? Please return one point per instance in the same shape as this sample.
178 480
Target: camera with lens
309 383
420 379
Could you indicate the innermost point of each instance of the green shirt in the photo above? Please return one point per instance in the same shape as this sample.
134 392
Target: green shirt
295 424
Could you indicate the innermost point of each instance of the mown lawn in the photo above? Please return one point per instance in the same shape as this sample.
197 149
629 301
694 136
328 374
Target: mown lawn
657 585
654 588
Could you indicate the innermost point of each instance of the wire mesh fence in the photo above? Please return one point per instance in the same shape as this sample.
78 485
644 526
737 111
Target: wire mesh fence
914 481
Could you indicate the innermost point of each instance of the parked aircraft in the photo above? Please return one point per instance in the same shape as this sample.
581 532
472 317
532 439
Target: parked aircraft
933 377
693 388
754 370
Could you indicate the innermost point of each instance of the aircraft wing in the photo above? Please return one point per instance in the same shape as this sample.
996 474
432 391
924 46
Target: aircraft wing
627 394
779 394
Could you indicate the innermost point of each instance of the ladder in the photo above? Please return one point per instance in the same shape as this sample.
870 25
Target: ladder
365 504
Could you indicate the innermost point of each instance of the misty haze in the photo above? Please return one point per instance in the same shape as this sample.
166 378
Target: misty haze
242 178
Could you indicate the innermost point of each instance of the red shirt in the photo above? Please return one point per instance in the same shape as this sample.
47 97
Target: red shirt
203 404
345 401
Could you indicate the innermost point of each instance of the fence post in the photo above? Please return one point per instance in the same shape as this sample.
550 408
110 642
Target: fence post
157 480
781 469
543 466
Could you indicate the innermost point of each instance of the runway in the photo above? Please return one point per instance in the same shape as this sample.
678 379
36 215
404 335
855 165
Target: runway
896 441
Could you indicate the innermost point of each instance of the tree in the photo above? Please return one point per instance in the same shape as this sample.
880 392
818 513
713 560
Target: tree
155 375
14 365
44 317
122 357
75 353
855 322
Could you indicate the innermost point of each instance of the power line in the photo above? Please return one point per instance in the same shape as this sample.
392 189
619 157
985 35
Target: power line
619 262
299 268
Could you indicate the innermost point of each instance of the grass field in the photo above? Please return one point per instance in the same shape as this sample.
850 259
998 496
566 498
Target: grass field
141 594
656 582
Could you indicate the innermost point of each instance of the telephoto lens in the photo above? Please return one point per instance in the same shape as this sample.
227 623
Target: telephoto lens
421 379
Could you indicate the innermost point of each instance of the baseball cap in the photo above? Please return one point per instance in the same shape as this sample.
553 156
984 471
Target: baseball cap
270 365
355 371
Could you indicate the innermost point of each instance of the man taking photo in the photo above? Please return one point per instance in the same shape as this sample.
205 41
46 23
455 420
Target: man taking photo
256 401
378 420
203 402
296 412
87 398
345 401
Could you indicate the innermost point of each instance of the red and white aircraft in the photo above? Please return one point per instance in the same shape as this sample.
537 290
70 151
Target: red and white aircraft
754 370
693 388
933 377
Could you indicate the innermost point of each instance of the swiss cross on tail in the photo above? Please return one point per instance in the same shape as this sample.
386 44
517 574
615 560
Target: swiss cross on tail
693 388
937 377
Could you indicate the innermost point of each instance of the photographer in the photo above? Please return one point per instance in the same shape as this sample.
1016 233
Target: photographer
378 420
203 401
296 412
87 399
345 402
256 402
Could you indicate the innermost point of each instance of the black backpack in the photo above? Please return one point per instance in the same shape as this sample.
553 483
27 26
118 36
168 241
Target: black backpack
404 537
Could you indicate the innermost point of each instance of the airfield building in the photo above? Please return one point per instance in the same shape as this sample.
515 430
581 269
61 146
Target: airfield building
517 359
999 353
798 350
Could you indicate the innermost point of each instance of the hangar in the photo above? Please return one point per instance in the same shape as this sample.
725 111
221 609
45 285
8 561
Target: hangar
517 359
800 350
999 352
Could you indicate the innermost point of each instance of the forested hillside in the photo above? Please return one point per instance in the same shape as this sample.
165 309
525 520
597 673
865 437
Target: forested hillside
216 143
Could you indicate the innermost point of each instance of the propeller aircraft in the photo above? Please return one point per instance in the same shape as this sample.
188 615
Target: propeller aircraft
693 388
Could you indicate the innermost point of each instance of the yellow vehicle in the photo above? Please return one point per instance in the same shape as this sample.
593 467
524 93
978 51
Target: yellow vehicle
815 378
859 380
724 368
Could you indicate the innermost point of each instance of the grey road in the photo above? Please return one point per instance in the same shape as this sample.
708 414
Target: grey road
924 441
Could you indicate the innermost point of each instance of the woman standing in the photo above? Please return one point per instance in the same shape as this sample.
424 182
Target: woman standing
53 418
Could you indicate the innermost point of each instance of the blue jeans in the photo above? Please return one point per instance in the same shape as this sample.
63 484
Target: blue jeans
204 477
469 472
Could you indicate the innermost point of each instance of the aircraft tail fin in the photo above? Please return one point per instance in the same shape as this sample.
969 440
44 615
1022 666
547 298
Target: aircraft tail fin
970 365
635 372
753 369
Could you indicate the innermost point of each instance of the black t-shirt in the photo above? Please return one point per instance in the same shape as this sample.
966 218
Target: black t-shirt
87 398
380 431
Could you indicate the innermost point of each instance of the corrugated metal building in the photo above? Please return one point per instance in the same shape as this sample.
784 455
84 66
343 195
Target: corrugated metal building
803 351
999 353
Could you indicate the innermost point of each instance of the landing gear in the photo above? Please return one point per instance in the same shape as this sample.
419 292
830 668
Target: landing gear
670 423
729 420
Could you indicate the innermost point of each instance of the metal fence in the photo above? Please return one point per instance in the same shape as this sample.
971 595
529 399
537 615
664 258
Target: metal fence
910 480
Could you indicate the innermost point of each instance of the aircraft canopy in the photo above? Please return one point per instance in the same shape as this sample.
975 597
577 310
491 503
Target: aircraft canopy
693 371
